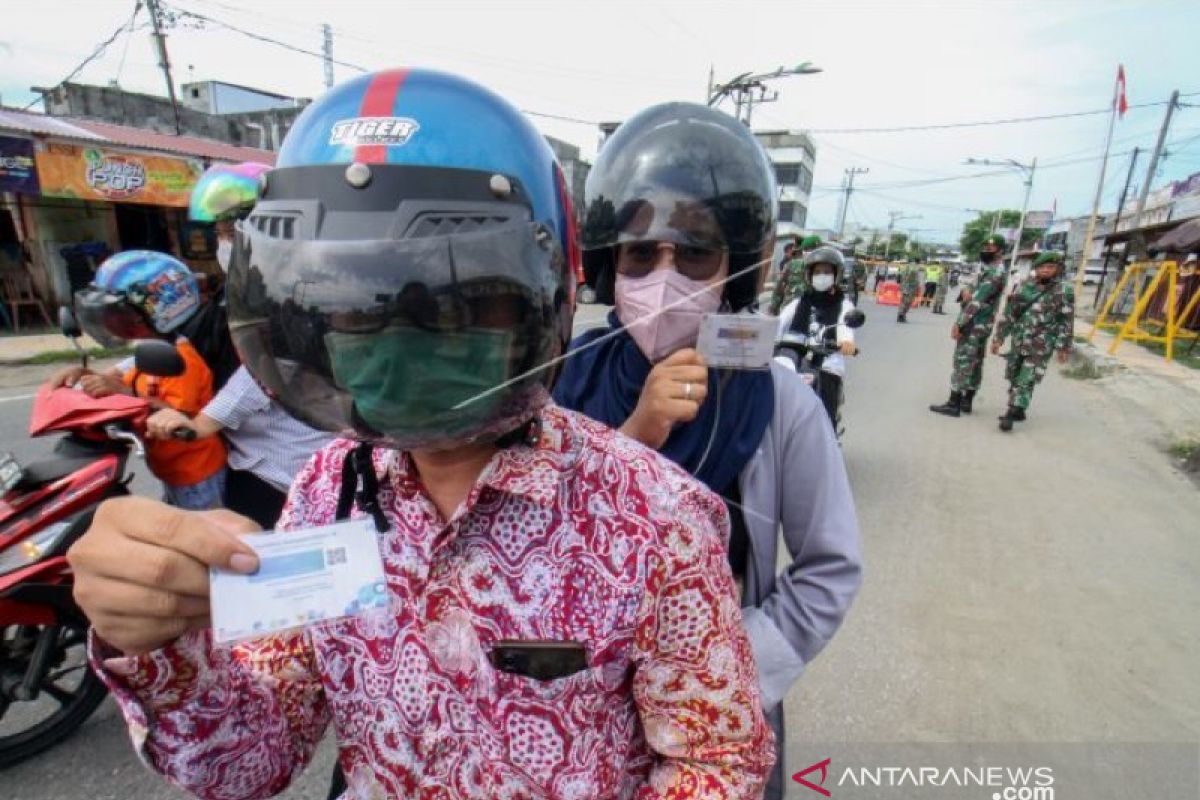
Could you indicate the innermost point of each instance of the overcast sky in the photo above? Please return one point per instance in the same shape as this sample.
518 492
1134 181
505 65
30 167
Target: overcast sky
886 64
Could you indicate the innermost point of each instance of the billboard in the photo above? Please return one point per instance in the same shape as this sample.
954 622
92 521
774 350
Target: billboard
17 169
1038 219
91 173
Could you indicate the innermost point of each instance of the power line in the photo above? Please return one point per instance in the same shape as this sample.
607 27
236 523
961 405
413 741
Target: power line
100 48
359 67
985 123
259 37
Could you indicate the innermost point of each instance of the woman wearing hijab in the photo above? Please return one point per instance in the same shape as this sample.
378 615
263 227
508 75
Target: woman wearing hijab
679 223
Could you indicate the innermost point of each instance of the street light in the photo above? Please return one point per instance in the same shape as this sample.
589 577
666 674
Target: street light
1025 169
893 218
981 212
743 87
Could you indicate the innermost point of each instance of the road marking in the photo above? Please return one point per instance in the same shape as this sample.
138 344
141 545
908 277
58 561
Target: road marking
17 397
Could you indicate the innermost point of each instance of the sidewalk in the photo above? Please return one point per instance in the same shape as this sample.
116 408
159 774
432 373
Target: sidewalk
16 350
1160 391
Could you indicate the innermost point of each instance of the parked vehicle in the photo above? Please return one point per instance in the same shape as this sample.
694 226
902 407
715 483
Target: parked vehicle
46 687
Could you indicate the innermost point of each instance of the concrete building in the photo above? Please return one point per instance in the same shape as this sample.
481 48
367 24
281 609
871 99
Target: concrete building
794 157
1067 236
262 127
217 97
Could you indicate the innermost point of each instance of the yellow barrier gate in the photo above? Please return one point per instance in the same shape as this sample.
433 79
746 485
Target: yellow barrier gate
1166 275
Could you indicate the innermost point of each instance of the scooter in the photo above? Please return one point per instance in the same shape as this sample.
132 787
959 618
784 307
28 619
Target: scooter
46 687
805 355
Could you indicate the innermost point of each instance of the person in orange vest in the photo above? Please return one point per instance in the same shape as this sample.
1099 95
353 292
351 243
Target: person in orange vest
142 294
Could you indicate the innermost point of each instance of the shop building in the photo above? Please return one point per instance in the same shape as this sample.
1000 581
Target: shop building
74 191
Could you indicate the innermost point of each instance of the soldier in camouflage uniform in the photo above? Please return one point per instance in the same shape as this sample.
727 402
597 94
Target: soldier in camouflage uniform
939 295
910 284
1040 319
793 278
972 328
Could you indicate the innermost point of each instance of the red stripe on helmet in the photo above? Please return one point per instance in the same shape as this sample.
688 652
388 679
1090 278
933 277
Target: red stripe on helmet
574 258
379 101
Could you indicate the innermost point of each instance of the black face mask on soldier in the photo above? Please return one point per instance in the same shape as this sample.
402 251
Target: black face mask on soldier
987 256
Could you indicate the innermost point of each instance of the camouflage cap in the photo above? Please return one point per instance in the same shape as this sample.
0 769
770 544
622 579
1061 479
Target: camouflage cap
1048 257
996 239
810 242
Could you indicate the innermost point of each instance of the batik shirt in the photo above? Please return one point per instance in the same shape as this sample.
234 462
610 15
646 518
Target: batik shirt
587 537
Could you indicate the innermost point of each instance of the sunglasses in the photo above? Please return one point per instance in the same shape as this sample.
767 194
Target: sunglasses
638 259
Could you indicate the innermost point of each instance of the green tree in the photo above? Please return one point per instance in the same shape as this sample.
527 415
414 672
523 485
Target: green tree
975 231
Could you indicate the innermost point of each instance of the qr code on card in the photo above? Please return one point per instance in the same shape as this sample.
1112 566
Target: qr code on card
335 556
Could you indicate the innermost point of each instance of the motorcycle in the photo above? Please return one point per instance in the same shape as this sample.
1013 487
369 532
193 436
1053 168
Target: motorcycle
46 687
805 355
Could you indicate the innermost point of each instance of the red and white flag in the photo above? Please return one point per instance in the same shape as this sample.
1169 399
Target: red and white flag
1122 104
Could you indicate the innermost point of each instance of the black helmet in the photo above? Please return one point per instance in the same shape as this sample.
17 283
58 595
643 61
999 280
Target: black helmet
825 255
669 167
406 275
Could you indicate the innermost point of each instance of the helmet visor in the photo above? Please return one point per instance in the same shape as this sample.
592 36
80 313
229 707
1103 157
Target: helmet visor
108 318
416 343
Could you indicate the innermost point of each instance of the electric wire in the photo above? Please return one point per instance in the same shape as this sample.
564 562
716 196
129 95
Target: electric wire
96 53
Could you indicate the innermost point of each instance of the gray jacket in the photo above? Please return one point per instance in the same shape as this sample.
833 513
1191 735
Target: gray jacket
796 484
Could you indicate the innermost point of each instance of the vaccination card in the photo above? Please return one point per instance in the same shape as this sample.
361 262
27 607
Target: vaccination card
304 577
737 341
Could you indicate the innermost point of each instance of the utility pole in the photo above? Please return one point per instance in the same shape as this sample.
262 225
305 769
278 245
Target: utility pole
1158 148
1116 222
327 53
1012 264
161 41
893 216
849 187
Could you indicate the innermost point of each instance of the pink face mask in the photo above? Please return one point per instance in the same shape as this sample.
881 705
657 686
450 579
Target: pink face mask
658 333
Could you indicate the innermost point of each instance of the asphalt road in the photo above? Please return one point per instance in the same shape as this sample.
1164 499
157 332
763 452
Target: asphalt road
1039 586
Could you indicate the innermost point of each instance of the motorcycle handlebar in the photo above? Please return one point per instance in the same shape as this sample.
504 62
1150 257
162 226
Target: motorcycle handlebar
184 434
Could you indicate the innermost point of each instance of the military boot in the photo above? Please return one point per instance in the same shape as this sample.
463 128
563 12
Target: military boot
967 398
1017 414
952 407
1006 422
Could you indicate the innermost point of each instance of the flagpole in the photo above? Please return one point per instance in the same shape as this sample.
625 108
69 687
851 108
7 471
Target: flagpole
1091 228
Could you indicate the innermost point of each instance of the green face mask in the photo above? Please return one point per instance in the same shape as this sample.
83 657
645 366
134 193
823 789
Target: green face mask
406 381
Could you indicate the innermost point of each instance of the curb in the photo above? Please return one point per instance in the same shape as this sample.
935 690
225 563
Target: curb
1089 357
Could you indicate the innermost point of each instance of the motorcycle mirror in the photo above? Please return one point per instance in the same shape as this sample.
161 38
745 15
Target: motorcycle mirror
68 324
158 358
854 319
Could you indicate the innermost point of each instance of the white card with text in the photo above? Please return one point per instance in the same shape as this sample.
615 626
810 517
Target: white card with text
304 577
737 341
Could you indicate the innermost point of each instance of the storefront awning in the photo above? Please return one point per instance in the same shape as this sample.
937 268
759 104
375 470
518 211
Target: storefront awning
1183 239
195 146
1149 232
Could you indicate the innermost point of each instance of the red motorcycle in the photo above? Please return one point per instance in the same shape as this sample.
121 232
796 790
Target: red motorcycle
46 687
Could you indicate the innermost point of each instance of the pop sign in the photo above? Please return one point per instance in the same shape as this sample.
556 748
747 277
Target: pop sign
96 174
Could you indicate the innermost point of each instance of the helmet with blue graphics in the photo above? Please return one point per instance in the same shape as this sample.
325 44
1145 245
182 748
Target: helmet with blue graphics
138 294
407 275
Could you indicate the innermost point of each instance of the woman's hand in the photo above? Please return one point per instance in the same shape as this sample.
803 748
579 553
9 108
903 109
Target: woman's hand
675 389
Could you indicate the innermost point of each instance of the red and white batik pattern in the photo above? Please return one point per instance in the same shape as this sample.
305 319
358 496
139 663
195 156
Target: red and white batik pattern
587 537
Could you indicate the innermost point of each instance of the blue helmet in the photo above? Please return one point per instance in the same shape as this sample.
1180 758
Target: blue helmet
137 294
407 275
